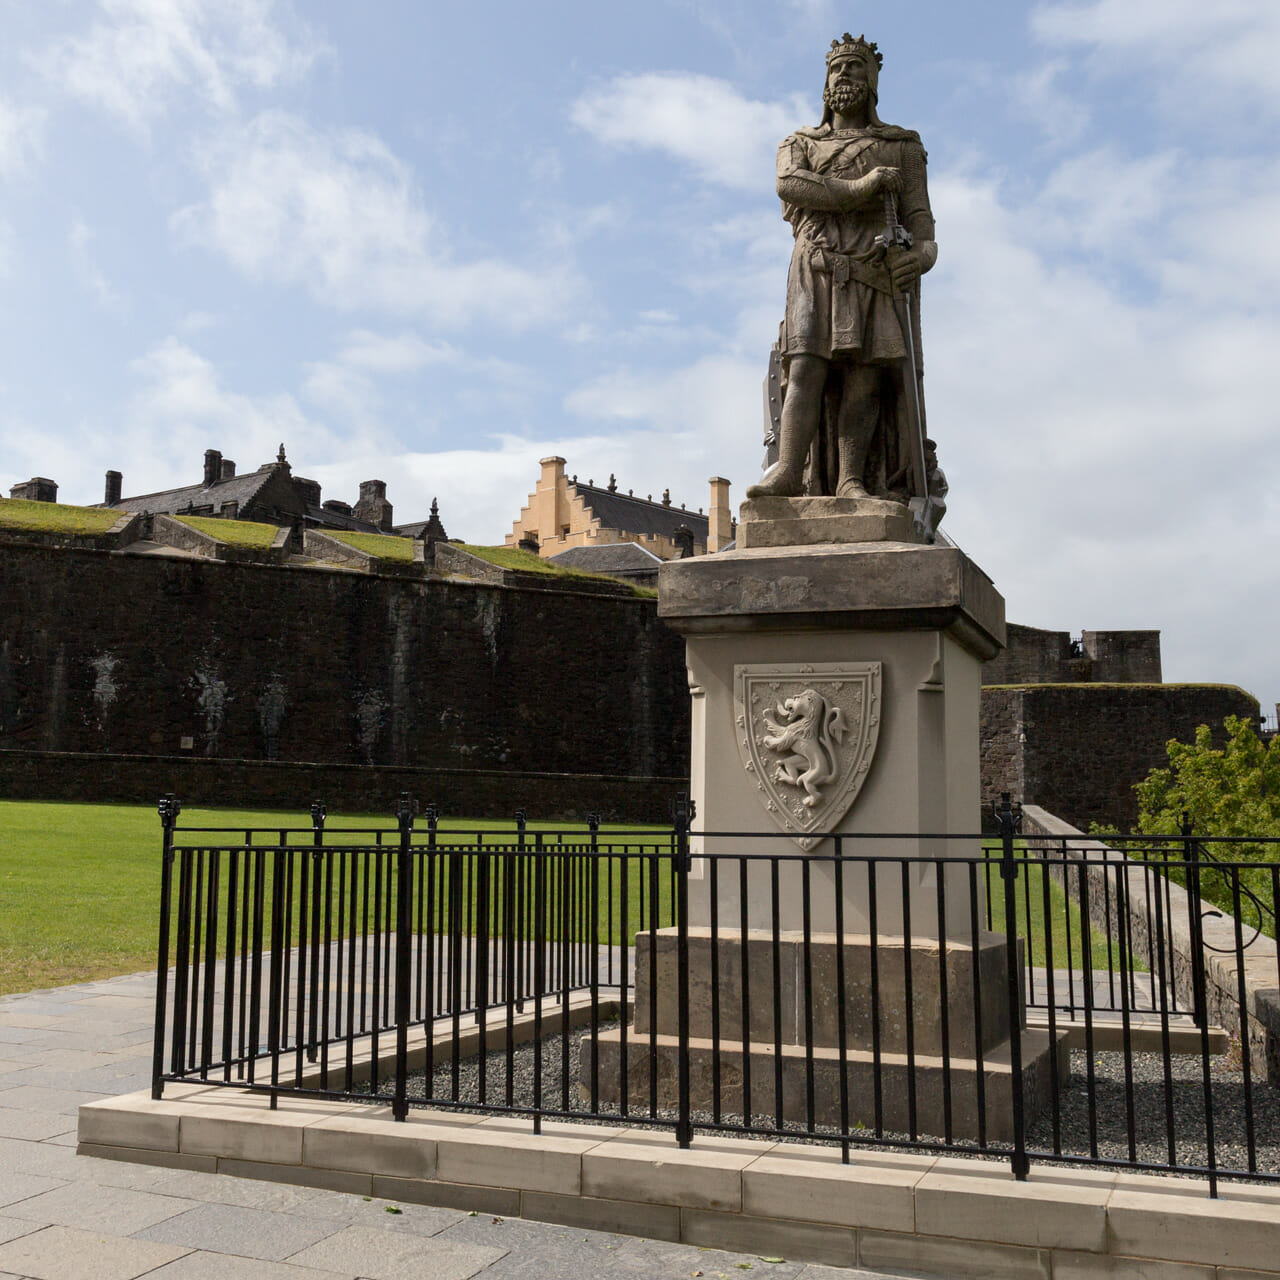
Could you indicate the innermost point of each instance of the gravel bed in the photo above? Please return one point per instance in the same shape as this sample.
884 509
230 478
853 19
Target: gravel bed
1150 1108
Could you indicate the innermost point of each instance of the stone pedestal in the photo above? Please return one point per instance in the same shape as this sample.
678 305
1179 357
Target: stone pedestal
834 668
913 623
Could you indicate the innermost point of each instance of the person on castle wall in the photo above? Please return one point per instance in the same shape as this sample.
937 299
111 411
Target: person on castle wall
845 415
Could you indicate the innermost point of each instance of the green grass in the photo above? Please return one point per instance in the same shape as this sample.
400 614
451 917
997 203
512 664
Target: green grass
236 533
1066 929
528 562
382 545
55 517
80 883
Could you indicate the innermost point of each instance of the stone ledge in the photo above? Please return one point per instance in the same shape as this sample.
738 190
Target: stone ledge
942 1216
874 586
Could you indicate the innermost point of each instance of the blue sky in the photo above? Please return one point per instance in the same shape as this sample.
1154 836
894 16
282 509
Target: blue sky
433 243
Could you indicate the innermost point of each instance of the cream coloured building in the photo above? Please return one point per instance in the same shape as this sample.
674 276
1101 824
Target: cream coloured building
562 512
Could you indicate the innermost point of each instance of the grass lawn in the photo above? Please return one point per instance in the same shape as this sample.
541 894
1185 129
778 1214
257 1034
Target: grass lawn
382 545
1067 927
528 562
55 517
236 533
80 883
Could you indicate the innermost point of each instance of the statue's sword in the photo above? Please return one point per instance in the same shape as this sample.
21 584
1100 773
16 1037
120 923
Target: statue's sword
924 514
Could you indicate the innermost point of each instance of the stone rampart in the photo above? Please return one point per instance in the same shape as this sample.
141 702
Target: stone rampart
1077 749
123 655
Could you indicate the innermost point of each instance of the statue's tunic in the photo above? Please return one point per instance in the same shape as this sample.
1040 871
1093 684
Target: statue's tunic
838 299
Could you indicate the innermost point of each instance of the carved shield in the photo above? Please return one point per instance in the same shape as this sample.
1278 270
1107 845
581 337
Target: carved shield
806 732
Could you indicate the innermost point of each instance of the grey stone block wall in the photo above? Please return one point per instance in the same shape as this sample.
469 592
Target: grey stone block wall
117 654
1078 749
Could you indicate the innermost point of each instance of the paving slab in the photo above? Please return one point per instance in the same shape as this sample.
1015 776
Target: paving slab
228 1228
16 1123
63 1253
222 1266
395 1255
94 1208
17 1187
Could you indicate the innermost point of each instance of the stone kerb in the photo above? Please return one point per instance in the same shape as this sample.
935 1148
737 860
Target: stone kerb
909 1212
1222 974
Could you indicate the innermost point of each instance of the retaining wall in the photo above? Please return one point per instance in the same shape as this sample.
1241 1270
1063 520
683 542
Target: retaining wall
1223 973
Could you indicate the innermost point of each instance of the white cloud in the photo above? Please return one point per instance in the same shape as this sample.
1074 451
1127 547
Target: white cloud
700 120
394 353
1235 46
1040 93
141 54
79 245
21 135
341 216
182 408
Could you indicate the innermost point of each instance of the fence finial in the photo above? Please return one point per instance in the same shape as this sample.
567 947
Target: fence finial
168 809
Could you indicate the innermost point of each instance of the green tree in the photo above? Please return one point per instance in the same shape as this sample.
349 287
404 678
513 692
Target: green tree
1231 791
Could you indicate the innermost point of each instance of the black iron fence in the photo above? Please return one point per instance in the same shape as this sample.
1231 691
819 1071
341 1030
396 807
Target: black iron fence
1039 1000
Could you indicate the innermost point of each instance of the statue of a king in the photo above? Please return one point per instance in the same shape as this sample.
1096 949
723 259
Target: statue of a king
846 412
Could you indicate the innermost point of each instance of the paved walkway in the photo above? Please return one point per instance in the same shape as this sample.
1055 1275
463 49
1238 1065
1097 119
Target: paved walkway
69 1217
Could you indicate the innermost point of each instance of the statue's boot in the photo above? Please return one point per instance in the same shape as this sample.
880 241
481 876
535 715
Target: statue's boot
853 464
785 479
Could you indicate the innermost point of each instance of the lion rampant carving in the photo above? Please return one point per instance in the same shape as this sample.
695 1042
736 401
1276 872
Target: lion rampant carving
808 731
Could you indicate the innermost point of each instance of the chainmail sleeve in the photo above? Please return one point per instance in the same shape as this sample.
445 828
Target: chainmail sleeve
914 212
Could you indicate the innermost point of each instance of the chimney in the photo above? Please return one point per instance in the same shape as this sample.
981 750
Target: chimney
551 501
719 518
373 506
228 471
37 489
112 494
212 467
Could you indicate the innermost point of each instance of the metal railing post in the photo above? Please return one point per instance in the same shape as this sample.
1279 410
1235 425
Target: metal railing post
168 809
404 892
1191 852
682 815
318 814
1007 818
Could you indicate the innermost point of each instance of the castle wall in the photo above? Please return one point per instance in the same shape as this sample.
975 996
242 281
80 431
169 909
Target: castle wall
1077 750
1035 656
142 655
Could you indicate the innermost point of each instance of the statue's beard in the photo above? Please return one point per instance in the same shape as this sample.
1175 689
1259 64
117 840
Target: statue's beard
847 96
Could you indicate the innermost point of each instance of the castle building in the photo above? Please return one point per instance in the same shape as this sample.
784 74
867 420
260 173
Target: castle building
272 495
563 514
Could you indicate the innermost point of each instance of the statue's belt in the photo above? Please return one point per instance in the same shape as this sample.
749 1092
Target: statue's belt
843 267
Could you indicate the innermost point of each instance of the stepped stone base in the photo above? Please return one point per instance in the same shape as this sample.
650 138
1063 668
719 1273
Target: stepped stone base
807 522
931 996
933 1084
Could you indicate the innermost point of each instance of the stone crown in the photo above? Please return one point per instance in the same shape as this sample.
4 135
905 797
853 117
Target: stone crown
848 45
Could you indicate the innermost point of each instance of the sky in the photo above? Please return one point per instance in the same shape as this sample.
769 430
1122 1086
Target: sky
435 243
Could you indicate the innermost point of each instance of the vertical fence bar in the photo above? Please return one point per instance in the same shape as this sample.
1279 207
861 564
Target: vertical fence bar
683 813
168 809
318 814
430 993
404 973
842 1036
1198 995
1008 873
275 993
